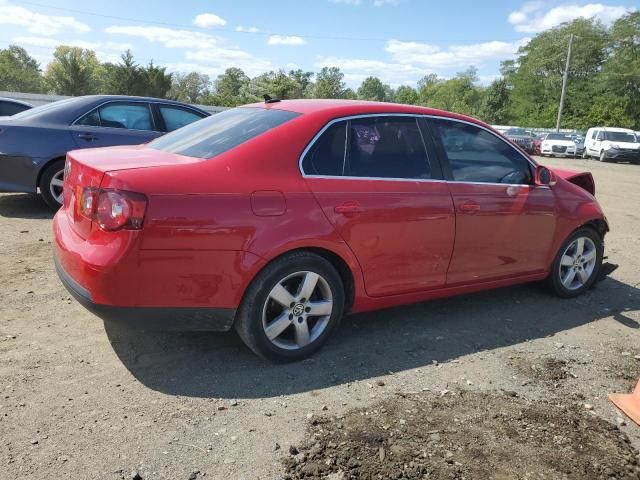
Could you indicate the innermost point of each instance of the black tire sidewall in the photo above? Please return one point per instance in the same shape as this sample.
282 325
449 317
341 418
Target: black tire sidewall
249 318
45 180
554 276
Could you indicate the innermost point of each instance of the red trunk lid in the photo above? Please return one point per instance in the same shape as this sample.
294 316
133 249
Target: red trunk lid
87 168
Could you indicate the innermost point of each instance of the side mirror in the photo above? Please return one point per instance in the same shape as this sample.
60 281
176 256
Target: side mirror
544 176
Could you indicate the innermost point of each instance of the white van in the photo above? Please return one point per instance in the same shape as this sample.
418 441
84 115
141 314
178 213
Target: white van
606 143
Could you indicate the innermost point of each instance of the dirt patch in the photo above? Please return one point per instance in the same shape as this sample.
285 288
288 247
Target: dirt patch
465 435
546 369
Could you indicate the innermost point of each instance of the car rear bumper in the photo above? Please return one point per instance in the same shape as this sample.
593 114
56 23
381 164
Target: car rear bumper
18 173
151 318
156 290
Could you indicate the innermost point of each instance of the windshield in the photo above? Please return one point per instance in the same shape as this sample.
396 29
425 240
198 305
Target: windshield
557 136
518 131
620 137
43 108
221 132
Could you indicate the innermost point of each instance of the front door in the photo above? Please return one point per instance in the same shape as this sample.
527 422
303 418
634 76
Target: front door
374 181
504 223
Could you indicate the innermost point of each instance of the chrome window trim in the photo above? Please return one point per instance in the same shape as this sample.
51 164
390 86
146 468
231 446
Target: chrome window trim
410 115
73 124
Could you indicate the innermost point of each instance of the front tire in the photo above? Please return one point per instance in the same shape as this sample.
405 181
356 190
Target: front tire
577 264
603 156
51 183
291 308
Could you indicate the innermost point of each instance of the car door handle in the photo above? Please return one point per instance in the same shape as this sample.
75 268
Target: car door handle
469 207
89 137
348 208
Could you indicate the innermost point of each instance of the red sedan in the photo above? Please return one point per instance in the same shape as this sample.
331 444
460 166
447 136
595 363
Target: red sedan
278 218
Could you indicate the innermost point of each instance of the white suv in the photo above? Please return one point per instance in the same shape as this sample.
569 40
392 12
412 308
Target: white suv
607 143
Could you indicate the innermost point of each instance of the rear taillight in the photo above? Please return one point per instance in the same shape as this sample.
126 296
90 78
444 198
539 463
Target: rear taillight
113 209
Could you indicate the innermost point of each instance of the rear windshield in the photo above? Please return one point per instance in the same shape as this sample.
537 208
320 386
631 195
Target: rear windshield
223 131
32 112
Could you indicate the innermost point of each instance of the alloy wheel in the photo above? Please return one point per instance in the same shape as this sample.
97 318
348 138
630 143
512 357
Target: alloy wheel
297 310
578 263
56 186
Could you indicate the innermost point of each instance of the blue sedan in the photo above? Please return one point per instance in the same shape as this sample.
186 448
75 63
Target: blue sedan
34 143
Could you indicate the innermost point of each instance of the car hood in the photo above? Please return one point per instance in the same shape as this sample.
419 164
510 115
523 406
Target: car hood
567 143
582 179
624 144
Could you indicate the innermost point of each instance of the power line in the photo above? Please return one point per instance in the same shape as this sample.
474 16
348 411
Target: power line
195 27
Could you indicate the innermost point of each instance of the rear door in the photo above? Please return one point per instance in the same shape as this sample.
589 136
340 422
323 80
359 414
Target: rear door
375 182
504 223
115 123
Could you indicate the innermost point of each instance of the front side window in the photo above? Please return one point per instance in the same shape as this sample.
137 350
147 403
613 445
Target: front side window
175 118
221 132
475 155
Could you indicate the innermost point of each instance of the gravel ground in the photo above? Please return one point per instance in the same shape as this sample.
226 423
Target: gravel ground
81 399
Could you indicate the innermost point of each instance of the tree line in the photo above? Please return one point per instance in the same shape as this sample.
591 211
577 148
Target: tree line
603 86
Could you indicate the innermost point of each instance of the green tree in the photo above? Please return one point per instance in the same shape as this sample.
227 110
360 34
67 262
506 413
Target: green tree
156 80
18 71
535 77
407 95
189 87
458 94
302 81
228 87
621 72
495 104
372 88
124 78
73 71
329 83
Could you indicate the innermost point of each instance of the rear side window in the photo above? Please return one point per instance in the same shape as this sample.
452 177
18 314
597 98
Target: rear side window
386 147
221 132
475 155
175 118
10 108
327 154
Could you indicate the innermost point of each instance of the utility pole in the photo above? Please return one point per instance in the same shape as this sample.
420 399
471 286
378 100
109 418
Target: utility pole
564 83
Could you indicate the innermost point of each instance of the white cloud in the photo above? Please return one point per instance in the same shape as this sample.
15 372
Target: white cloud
209 20
286 40
48 42
434 57
203 52
531 18
39 23
382 3
240 28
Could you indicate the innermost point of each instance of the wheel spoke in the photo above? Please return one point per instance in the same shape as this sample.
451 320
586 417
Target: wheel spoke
590 255
279 325
281 295
579 246
566 261
302 333
57 182
308 285
583 276
568 279
320 308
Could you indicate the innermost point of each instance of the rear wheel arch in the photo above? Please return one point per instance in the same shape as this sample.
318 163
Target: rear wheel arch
46 165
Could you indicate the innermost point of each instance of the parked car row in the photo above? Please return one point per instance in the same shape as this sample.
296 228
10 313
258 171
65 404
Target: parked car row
34 142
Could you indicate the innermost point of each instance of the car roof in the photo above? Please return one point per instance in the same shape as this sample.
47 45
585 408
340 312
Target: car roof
13 100
613 129
344 108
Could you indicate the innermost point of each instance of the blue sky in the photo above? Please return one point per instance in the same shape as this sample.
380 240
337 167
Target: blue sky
399 41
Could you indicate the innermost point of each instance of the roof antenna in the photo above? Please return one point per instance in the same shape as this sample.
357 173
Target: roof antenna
269 99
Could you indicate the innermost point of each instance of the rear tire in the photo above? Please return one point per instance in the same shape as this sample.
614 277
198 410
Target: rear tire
51 184
291 308
577 263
